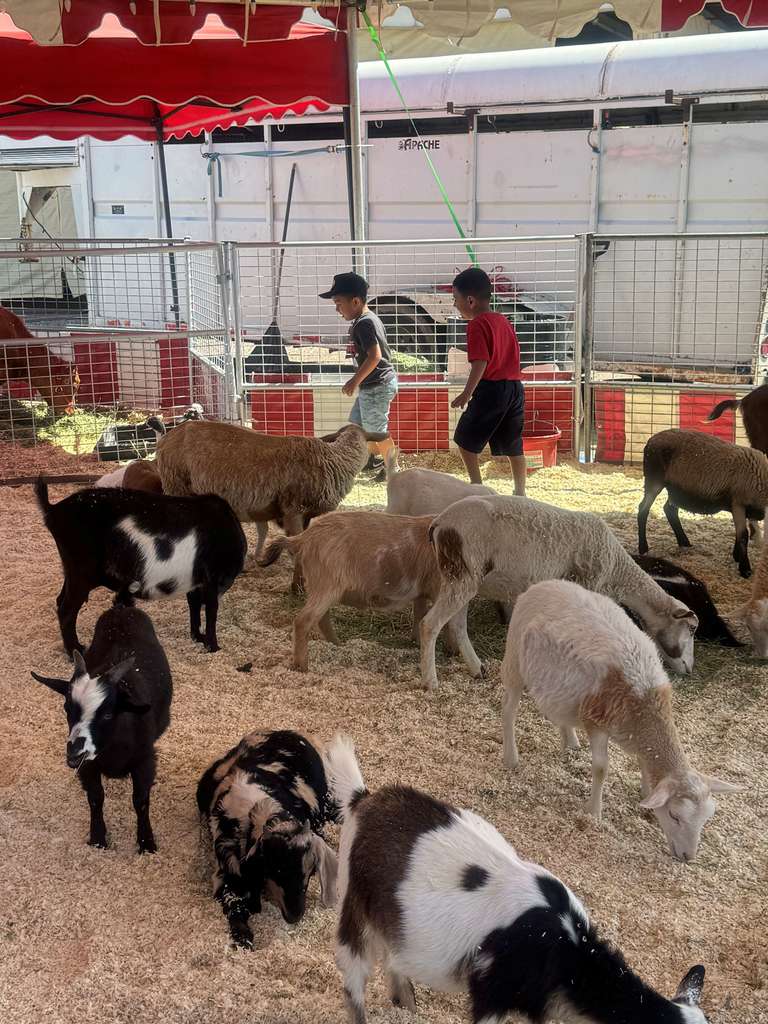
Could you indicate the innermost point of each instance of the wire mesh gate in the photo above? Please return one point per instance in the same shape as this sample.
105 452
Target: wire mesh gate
292 346
638 332
674 324
97 335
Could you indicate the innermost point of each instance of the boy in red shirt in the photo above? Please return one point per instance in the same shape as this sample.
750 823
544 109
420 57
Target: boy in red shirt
494 389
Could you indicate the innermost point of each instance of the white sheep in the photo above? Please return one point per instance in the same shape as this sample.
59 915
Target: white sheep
441 895
497 547
423 492
587 665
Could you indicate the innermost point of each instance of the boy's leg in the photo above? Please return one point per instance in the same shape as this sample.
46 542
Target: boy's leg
477 425
472 462
508 437
374 410
519 473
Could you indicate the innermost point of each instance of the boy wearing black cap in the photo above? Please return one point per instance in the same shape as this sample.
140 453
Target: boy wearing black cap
494 393
375 378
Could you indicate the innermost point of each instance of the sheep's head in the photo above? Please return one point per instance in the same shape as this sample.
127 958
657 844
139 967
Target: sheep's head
91 704
754 615
282 860
675 638
683 804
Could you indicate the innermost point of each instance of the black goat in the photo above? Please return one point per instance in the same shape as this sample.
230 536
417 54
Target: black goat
118 703
692 591
143 545
266 801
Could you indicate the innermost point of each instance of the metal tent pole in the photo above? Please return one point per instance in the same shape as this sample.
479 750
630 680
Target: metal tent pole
167 210
355 141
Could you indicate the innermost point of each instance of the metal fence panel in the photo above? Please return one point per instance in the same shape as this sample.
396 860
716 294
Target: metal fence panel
295 346
144 331
675 324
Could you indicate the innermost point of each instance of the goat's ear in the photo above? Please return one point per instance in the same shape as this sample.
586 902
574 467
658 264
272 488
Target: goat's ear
659 796
58 685
684 613
718 786
132 691
79 663
327 867
690 988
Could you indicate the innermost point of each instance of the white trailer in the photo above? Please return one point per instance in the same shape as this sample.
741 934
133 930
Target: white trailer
667 135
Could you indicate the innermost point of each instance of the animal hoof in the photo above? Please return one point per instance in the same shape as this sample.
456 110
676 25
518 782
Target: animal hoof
211 648
242 936
99 842
147 846
745 572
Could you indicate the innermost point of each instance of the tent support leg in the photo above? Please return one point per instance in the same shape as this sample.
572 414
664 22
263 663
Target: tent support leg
168 223
355 142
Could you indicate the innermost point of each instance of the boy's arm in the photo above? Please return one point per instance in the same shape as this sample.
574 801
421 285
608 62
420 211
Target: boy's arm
372 360
477 369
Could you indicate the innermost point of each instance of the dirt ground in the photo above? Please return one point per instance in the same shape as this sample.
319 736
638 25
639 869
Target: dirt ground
89 936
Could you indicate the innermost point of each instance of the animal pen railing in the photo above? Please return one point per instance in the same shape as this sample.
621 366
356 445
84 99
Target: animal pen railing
674 324
620 335
292 374
125 328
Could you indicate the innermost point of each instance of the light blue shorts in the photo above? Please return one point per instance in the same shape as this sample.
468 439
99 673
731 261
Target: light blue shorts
371 408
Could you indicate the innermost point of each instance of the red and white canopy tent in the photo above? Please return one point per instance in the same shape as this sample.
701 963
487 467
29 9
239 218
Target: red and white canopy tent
166 22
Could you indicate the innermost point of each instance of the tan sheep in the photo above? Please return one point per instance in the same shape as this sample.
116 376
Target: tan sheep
754 614
366 560
263 477
706 475
139 475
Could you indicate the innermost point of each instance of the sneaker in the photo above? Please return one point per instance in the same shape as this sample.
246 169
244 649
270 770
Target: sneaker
375 465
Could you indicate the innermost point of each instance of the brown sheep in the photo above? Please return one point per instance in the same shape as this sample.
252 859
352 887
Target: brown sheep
706 475
263 477
754 413
366 560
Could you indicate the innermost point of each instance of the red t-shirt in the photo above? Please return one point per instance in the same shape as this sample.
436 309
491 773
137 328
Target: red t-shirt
492 337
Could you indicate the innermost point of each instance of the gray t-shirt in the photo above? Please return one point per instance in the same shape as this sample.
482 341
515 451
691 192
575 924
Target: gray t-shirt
365 332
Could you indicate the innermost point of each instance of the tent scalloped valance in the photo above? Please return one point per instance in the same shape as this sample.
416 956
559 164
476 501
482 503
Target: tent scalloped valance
163 22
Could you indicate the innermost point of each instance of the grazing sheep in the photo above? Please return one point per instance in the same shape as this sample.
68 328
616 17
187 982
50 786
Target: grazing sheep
366 560
754 614
441 895
266 802
587 665
498 547
754 413
685 587
117 704
422 492
706 475
146 546
263 477
139 475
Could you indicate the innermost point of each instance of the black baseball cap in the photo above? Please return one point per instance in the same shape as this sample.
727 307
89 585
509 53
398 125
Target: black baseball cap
347 284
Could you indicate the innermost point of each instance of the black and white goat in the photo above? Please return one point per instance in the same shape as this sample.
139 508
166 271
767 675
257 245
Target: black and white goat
450 904
118 702
685 587
266 801
143 545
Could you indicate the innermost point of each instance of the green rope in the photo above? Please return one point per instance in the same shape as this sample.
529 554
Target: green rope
380 50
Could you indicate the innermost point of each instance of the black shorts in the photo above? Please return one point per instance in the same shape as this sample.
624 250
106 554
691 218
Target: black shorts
494 414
